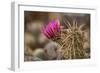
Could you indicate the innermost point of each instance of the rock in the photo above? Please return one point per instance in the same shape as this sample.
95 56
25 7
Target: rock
28 51
28 58
36 59
51 50
86 45
39 53
35 27
87 55
29 40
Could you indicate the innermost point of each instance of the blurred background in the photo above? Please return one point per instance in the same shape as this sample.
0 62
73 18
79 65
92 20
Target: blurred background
39 47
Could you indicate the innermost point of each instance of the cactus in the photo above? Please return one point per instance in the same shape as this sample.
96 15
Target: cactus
71 41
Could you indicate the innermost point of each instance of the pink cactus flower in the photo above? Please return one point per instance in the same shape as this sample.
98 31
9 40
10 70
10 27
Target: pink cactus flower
51 29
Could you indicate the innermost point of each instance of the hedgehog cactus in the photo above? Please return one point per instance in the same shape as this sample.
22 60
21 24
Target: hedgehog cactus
72 41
